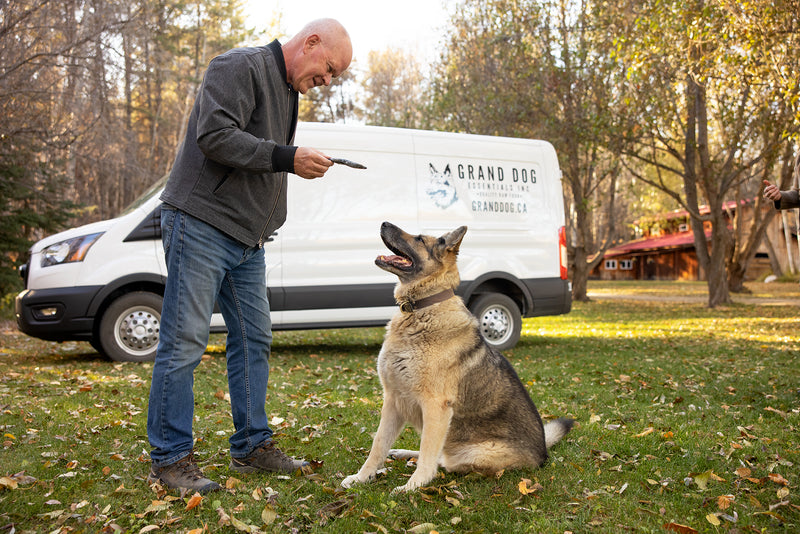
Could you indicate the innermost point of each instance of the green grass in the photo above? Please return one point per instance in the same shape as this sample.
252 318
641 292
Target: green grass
687 419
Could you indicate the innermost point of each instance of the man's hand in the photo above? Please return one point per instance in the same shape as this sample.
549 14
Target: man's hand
310 163
771 191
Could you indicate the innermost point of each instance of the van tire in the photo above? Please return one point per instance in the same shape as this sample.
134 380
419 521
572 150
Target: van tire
499 319
130 327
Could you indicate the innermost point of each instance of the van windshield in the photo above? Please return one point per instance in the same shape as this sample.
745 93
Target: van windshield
144 197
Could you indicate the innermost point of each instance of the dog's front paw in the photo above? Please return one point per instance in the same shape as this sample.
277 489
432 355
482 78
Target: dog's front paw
406 488
360 478
351 481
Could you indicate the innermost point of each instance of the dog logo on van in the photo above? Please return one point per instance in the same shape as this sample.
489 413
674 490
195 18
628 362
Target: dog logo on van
440 187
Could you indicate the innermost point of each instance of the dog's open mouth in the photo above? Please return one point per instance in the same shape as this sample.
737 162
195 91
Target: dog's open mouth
396 261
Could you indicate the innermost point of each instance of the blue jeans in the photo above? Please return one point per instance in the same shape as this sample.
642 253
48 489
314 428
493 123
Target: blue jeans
205 265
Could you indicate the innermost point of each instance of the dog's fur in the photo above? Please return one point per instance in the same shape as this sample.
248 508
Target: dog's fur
439 375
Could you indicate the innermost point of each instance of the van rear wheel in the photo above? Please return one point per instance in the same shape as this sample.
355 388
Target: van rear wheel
130 327
499 319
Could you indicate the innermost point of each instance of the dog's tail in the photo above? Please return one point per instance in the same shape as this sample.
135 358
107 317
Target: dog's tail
555 430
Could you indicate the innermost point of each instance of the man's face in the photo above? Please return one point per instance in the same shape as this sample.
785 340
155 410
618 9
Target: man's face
318 65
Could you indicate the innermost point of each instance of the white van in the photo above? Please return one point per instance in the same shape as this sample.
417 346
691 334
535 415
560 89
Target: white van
104 282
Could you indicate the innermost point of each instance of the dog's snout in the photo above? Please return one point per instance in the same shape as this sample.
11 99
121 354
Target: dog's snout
387 228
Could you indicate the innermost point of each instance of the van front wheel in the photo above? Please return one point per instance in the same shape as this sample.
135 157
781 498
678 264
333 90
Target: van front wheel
499 319
130 327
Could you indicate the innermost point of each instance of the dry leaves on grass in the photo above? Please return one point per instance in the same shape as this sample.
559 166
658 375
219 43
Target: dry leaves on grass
526 487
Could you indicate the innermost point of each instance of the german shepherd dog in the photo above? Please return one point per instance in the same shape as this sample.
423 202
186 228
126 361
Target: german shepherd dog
438 374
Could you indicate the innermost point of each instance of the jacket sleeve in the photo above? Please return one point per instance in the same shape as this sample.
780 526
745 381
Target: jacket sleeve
226 101
789 199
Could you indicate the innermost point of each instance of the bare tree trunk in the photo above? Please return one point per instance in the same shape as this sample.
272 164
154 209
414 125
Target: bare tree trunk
787 236
697 158
580 276
773 258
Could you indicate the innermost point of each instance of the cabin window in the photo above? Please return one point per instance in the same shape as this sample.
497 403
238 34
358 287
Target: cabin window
611 265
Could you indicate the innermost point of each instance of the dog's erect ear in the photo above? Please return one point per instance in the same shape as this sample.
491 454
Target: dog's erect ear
452 240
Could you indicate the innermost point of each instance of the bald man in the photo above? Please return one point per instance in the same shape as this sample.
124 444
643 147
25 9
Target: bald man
225 195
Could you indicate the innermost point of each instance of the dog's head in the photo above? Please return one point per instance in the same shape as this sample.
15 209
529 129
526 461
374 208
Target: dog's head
421 260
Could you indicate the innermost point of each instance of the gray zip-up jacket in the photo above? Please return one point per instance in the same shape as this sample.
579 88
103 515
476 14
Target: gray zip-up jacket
231 169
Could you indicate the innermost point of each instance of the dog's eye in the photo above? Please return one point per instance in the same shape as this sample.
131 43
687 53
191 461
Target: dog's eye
419 238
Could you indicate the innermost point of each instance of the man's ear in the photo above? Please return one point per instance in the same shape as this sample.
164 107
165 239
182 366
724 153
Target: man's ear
310 42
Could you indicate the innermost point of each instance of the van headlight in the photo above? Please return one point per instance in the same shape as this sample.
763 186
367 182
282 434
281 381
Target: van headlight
74 249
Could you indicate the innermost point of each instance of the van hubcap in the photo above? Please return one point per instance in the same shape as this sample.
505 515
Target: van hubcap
138 330
495 324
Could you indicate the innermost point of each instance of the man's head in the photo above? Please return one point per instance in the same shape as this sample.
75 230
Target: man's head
319 52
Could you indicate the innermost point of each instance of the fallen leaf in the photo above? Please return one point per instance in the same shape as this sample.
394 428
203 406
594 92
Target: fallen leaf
22 478
676 527
778 505
268 515
8 483
646 431
724 501
743 472
703 479
194 501
55 514
524 486
334 509
713 519
148 528
452 500
244 527
779 412
156 506
224 518
423 528
778 479
78 505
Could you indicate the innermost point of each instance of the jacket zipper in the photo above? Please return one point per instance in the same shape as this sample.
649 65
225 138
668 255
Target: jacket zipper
280 189
271 213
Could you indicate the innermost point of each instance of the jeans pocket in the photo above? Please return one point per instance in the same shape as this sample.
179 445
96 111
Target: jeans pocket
167 224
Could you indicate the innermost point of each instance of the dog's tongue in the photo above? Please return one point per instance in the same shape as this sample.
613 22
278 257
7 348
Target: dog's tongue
395 260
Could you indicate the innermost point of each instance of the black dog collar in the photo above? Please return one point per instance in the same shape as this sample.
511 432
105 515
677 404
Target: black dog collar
409 306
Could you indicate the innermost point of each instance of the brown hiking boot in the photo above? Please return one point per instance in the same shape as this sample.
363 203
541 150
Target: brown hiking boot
266 458
183 474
